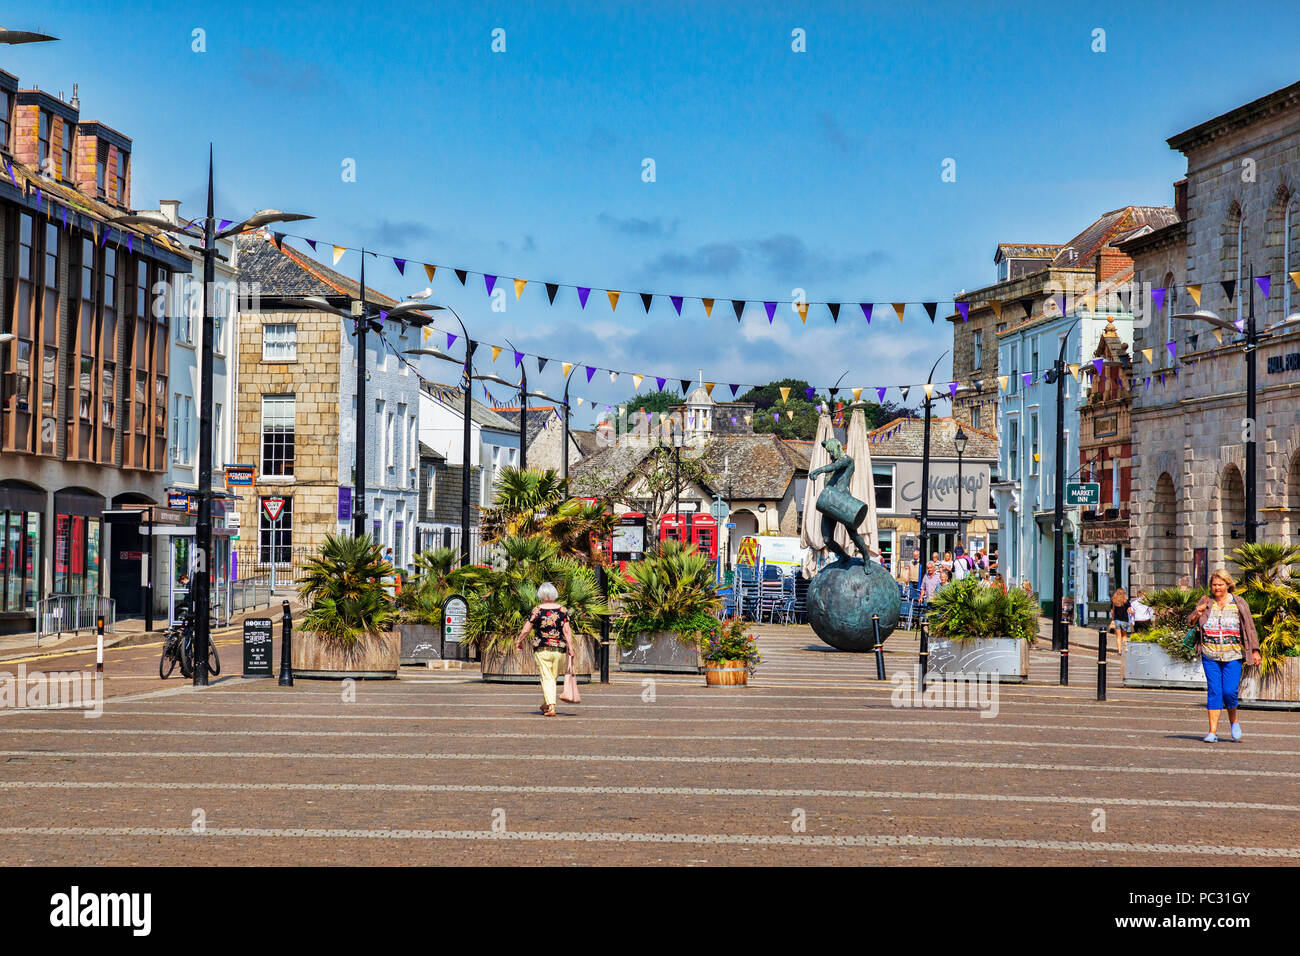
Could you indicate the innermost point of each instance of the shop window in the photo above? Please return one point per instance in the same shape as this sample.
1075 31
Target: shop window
20 560
883 477
76 554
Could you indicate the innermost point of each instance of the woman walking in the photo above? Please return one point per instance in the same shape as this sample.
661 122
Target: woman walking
554 641
1121 618
1225 638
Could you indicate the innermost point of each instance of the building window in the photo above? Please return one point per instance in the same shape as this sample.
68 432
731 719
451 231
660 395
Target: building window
1013 451
277 434
20 560
101 169
390 442
883 476
218 458
275 538
977 345
43 139
122 160
1033 445
432 500
65 173
885 542
76 554
6 102
280 342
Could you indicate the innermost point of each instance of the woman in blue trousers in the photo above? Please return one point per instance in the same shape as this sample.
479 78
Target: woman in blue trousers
1226 638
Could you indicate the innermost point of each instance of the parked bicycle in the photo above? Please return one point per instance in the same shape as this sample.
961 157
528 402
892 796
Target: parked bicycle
178 648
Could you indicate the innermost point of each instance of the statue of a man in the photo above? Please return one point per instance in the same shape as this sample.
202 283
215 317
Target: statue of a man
837 506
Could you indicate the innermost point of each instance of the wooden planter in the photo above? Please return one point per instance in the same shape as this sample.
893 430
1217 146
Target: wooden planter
373 658
659 652
1280 690
420 643
725 673
1005 659
1146 664
519 667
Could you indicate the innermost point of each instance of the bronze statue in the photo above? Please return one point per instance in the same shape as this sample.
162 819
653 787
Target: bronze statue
837 506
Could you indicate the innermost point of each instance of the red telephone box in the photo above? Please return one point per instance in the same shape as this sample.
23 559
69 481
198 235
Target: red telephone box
673 528
704 535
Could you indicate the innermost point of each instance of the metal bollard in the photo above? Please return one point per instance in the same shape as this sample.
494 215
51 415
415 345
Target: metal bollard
880 648
99 644
925 652
286 648
1101 663
1065 665
603 580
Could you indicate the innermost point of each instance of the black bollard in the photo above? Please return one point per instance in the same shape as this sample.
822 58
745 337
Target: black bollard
286 648
603 581
1101 664
880 648
925 652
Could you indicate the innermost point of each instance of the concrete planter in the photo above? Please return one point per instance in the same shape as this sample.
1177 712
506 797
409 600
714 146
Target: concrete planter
420 643
1148 664
1280 690
1005 659
375 657
518 667
660 652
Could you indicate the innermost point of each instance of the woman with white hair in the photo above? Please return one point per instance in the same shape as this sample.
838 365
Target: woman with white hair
554 641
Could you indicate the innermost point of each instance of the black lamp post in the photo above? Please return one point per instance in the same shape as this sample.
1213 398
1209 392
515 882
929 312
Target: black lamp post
202 588
567 379
960 441
466 434
925 465
1060 629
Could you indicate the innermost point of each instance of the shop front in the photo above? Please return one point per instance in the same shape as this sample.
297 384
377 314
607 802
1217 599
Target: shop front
22 555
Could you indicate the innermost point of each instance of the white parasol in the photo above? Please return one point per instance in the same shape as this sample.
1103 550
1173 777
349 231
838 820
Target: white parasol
811 534
863 486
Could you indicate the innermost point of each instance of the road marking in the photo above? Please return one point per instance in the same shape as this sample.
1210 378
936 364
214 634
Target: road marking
716 839
634 758
1142 745
1108 801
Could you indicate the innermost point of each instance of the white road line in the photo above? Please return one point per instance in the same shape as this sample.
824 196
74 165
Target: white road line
715 839
1142 745
1108 801
634 758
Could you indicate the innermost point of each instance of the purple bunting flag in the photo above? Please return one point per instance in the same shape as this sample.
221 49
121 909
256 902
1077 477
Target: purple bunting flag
312 243
451 339
582 296
866 310
1028 377
880 391
590 372
224 224
776 417
1097 364
519 357
810 392
1158 297
1263 282
660 382
964 309
677 303
1173 349
952 389
734 390
10 170
771 311
489 281
401 266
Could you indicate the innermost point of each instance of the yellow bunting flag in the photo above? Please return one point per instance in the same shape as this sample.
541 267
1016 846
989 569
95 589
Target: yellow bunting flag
1074 370
579 400
857 394
1195 292
928 389
564 367
996 306
338 253
427 332
1295 277
430 270
636 382
1148 354
1218 336
519 287
1002 382
790 415
708 306
802 307
708 388
899 307
496 351
613 299
785 393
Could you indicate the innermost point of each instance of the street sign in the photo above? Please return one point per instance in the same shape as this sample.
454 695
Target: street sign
731 525
273 507
1082 493
180 501
257 647
719 510
454 611
239 476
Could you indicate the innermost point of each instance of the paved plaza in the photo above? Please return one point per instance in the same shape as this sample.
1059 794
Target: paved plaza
811 764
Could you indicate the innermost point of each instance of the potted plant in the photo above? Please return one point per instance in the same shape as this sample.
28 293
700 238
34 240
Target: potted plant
665 608
1160 656
420 604
729 653
347 630
503 598
1271 587
981 632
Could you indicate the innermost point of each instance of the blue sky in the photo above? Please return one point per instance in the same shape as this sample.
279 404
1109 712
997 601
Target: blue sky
774 170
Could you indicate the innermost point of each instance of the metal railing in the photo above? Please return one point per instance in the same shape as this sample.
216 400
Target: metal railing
69 613
250 592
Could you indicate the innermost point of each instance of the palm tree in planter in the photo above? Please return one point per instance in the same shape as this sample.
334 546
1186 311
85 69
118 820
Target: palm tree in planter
1271 587
503 599
347 630
1160 656
438 576
666 609
528 501
981 630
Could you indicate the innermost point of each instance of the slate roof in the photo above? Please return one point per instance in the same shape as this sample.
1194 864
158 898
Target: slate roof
427 452
538 418
1080 251
289 273
586 441
1025 250
909 442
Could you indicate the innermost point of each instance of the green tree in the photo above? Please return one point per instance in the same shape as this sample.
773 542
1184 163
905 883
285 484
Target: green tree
661 402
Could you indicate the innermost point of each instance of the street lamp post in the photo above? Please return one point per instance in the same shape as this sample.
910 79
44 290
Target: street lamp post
925 466
960 441
1060 629
466 434
202 588
567 379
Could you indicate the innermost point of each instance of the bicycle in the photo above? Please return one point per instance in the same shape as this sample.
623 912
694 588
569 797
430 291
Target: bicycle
178 648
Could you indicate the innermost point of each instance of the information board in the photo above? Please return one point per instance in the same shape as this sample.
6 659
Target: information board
258 645
454 612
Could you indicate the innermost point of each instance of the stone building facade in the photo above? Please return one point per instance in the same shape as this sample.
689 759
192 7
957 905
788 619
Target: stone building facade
1242 221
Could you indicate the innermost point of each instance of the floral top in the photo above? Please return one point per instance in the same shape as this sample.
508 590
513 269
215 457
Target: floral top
1221 633
549 623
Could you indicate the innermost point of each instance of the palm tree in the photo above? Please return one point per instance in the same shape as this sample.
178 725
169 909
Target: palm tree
437 577
1265 562
521 498
346 588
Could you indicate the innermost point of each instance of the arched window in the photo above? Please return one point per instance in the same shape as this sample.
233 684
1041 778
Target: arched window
1171 296
1234 251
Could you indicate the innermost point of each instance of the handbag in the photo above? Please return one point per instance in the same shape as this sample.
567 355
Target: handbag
570 693
1192 637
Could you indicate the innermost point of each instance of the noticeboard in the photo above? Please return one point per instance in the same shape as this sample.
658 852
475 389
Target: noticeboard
257 647
454 611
